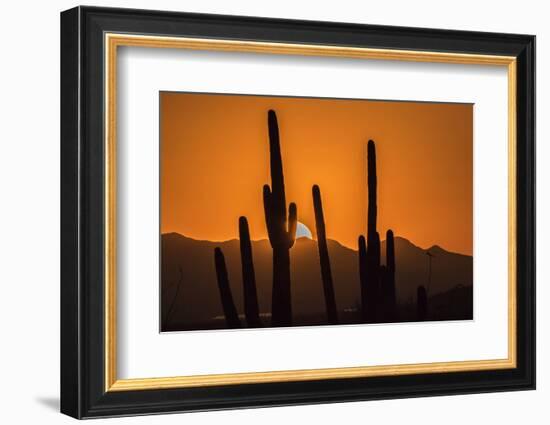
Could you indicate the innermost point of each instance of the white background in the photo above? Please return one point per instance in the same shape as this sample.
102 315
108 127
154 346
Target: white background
145 72
29 225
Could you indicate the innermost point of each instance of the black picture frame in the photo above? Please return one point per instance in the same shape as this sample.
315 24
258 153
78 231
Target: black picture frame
83 392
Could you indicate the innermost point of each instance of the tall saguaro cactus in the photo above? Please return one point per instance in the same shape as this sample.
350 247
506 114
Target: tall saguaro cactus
251 310
363 277
388 281
281 230
369 278
387 309
373 238
229 309
372 211
326 273
369 255
373 278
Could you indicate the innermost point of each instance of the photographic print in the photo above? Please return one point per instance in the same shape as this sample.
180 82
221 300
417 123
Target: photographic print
294 211
319 196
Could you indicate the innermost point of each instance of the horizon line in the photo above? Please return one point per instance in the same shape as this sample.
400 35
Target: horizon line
315 240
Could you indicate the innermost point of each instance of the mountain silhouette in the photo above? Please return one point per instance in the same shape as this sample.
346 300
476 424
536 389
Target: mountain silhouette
190 297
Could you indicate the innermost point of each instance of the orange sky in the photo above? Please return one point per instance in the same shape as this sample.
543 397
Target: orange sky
215 160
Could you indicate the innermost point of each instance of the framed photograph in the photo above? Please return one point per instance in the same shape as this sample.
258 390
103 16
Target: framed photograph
261 212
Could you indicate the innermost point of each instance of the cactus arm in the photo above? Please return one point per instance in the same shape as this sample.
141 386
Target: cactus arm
267 196
390 251
292 223
229 309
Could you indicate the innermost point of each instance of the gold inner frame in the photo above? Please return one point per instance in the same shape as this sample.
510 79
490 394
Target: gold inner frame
113 41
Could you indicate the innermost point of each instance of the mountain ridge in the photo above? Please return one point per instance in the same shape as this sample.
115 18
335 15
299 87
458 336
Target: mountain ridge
198 302
382 241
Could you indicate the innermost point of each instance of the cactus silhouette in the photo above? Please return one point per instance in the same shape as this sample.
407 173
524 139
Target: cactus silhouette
324 260
369 250
373 278
373 238
369 278
421 304
378 294
371 184
281 231
377 282
387 281
229 310
251 310
390 257
363 276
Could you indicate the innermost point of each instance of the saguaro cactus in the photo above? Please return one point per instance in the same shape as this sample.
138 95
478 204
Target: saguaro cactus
373 277
251 310
281 231
372 211
363 276
390 255
369 278
324 260
421 304
388 280
369 255
229 309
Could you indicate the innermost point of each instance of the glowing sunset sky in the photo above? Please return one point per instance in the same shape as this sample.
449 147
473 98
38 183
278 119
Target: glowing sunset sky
215 160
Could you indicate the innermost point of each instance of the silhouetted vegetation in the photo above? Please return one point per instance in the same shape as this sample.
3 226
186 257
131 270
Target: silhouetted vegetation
377 282
362 255
282 235
251 310
198 304
324 260
281 230
378 300
229 310
387 281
